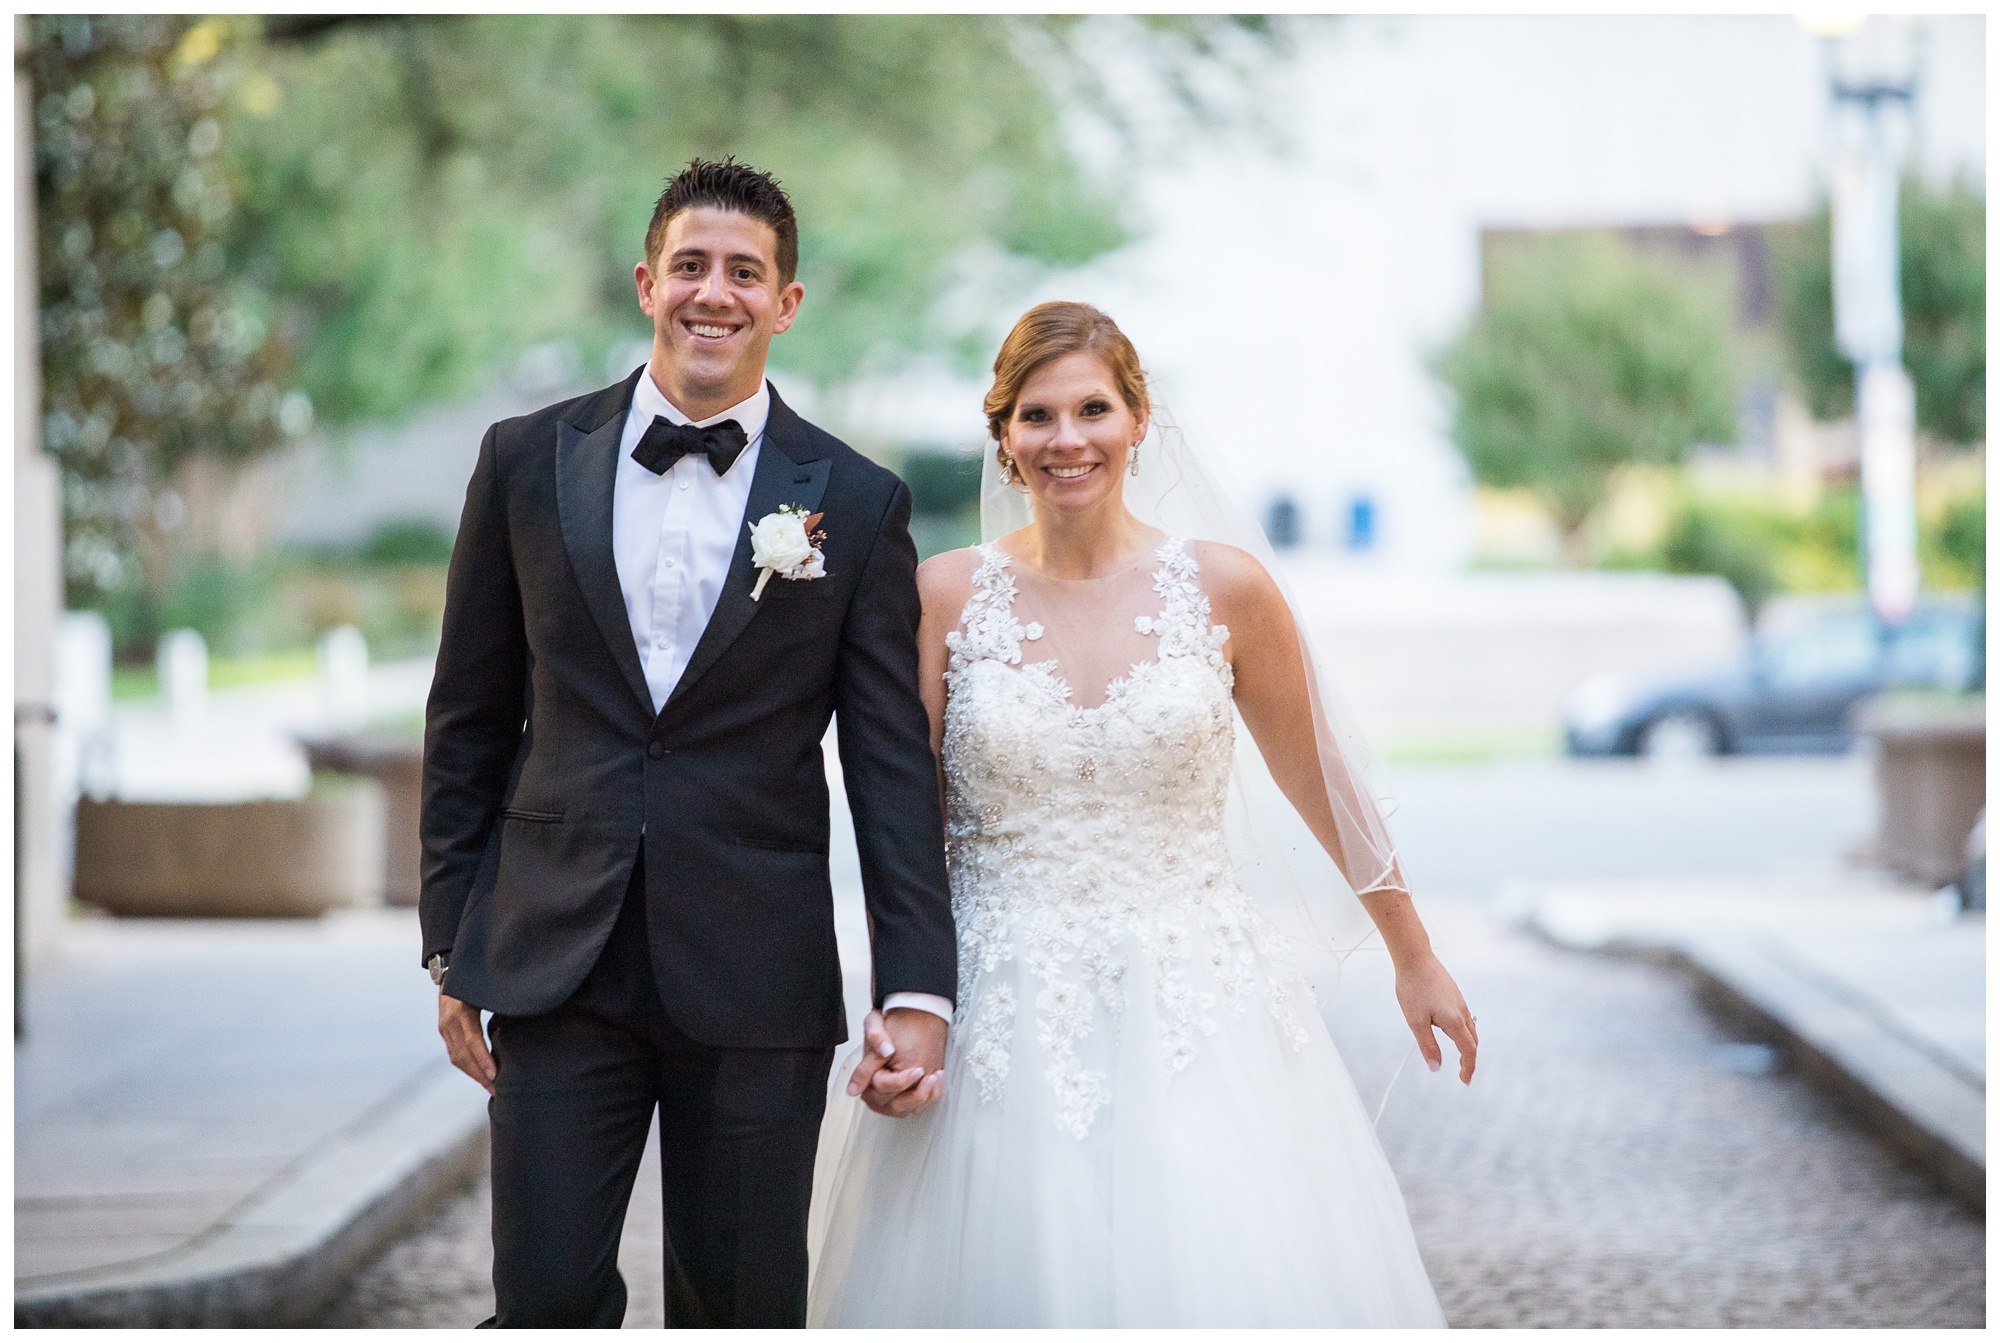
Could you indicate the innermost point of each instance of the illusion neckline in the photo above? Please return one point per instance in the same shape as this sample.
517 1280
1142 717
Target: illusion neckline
1152 554
1050 670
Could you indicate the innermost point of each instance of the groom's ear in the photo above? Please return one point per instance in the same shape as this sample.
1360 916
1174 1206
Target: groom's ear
789 299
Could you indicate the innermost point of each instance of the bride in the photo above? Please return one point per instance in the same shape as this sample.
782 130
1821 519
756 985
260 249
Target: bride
1141 1119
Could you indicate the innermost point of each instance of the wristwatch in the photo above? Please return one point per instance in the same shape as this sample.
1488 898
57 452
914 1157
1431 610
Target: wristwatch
437 965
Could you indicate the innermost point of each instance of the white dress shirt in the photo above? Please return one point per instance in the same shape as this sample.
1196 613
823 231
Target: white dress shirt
672 537
673 534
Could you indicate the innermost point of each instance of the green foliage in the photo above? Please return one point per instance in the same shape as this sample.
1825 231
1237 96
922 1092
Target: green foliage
1585 357
395 543
282 602
1802 262
152 351
942 482
428 195
1763 546
1942 246
1955 553
944 496
1735 544
1943 238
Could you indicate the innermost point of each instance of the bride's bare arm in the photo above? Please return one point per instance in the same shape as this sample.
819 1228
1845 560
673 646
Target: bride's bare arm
1272 696
944 583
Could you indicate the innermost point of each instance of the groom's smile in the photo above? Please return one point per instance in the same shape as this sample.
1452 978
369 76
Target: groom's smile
716 298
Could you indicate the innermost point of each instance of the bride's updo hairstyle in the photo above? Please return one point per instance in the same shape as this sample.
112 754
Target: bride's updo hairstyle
1049 331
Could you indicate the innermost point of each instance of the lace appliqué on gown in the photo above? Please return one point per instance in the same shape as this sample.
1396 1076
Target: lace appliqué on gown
1086 845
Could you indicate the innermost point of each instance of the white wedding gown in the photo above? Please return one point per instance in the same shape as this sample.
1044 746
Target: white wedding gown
1145 1121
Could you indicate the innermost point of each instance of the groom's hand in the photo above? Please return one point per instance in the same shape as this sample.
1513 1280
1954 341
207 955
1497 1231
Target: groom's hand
901 1072
465 1041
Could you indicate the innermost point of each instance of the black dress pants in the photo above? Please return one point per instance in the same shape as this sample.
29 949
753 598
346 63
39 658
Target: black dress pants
572 1104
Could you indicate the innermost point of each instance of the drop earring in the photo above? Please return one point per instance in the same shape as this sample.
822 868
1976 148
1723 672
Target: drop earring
1134 469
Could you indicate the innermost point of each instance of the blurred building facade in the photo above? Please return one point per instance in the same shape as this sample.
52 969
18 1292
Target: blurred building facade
1294 295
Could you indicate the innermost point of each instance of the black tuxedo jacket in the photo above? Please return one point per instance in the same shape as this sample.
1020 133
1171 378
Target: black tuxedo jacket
545 767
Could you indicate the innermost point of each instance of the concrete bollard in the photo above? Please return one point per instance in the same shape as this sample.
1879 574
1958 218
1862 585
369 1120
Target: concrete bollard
343 677
182 663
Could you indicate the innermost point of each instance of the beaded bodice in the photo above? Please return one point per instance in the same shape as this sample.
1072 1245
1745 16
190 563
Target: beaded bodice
1087 845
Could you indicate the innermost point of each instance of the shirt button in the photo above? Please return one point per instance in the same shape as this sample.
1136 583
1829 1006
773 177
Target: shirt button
684 484
663 641
654 750
670 561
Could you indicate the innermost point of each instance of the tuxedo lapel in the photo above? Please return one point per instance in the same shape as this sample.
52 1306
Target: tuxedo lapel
789 471
586 472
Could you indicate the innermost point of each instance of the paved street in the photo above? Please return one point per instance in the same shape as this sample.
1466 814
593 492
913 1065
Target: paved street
1619 1161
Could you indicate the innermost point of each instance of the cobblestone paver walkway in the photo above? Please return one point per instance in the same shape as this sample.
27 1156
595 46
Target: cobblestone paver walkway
1620 1162
1617 1162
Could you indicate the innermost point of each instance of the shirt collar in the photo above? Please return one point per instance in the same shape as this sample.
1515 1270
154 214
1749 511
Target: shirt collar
751 412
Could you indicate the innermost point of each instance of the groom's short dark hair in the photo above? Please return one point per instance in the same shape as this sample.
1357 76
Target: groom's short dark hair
729 185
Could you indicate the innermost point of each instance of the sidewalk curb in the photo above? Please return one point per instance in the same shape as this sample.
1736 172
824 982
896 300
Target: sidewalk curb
278 1257
1910 1097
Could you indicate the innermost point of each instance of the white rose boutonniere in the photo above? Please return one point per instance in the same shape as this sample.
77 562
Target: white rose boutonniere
784 543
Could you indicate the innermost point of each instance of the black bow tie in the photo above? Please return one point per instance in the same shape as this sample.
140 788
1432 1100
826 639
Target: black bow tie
666 443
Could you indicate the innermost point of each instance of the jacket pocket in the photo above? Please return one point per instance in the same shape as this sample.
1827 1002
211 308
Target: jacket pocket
524 814
777 845
798 589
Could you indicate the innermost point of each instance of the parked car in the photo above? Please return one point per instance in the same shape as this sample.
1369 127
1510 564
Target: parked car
1791 692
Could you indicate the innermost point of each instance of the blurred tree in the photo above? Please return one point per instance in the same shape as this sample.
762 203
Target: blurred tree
1957 546
1942 236
383 211
429 195
152 352
1584 357
1709 538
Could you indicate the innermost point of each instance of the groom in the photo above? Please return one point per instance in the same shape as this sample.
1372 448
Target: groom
625 806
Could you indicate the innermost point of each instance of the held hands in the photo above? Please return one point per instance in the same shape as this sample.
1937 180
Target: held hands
464 1041
1430 999
901 1072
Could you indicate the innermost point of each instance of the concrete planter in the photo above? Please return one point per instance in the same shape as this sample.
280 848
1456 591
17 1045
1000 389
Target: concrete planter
1930 781
273 859
397 764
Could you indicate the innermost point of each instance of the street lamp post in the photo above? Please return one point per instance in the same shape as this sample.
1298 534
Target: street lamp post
1873 86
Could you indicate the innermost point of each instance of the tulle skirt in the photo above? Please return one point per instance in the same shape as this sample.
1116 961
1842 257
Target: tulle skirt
1245 1189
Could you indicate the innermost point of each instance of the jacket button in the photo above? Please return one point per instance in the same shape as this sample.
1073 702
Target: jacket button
654 750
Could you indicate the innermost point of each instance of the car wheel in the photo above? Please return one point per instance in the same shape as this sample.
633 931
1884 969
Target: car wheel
1681 735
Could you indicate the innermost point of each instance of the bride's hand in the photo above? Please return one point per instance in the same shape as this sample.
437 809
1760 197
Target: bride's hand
1430 999
900 1077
